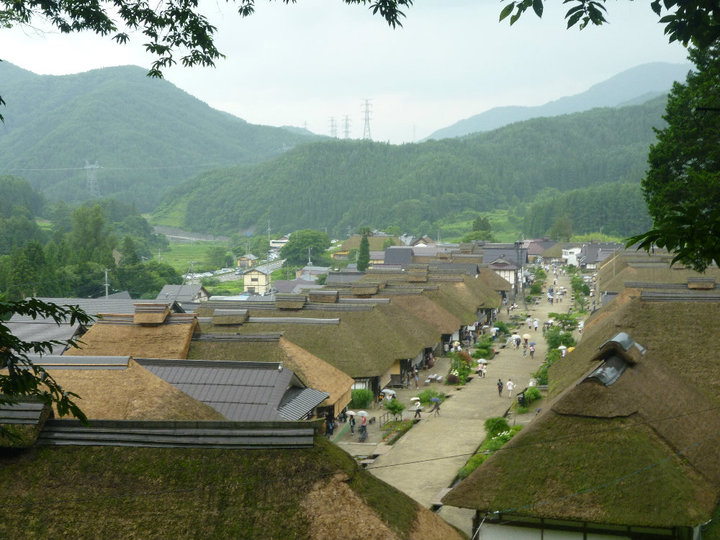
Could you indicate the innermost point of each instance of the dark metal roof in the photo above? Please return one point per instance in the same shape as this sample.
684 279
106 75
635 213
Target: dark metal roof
45 330
298 403
178 434
241 391
23 412
181 293
95 306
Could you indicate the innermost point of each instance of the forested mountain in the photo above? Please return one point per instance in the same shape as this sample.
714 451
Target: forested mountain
145 134
346 184
616 209
633 86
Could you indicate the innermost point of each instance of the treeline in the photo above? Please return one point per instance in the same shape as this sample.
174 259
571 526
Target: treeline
616 209
340 185
69 254
144 134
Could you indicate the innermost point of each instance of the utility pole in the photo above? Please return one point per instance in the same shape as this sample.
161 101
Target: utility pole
367 113
107 285
346 126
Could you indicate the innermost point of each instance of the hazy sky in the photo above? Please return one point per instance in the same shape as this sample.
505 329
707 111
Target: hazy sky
304 64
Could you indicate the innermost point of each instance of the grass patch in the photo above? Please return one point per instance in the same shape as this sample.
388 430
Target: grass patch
393 430
226 288
488 447
171 215
179 256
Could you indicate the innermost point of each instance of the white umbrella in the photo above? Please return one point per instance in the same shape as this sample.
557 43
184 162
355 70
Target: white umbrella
482 361
562 347
350 413
414 399
362 413
389 392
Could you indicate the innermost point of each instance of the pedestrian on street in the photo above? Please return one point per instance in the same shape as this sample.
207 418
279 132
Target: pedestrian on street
418 408
532 352
435 408
510 387
415 377
536 323
500 386
352 425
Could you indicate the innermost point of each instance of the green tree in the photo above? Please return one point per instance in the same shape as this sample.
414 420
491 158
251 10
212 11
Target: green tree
682 185
363 260
304 242
129 252
685 20
218 257
561 230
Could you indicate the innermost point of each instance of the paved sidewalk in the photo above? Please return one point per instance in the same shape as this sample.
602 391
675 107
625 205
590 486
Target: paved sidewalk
427 458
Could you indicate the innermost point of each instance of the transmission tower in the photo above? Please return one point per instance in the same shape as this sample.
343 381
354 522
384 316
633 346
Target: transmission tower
346 126
91 185
366 113
333 128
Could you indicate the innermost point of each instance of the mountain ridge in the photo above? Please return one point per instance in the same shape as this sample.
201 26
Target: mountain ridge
625 88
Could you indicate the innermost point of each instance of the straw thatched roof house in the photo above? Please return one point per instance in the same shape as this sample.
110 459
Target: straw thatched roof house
118 388
150 332
369 342
634 457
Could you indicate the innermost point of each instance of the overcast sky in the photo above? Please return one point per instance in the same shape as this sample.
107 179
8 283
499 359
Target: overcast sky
304 64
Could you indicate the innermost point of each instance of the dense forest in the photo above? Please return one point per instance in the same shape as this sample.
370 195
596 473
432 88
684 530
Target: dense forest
341 185
615 209
69 254
144 134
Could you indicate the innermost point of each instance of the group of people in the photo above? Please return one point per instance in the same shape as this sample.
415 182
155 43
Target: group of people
510 385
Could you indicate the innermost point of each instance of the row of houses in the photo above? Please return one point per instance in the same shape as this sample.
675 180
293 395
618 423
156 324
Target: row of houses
626 445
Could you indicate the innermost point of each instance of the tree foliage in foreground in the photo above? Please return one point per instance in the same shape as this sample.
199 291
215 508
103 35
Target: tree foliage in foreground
23 378
685 20
682 186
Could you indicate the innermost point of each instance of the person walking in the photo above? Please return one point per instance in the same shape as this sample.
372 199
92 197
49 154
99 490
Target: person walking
500 386
416 378
532 352
352 425
418 408
435 408
510 388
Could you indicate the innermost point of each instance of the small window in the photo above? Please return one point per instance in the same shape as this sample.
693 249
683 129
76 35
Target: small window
609 371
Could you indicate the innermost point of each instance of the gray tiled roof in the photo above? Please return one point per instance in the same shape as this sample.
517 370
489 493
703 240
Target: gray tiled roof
95 306
44 330
241 391
180 293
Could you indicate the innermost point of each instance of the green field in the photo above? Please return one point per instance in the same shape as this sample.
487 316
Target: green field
180 256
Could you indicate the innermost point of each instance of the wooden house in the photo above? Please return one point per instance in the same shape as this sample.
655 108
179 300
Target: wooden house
256 281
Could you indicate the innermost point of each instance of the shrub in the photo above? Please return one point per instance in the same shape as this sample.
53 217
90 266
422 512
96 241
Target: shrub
361 398
495 425
502 327
521 409
536 288
426 395
460 368
532 394
394 406
473 463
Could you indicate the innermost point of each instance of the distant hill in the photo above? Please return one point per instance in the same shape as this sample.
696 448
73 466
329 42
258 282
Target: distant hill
145 134
631 87
341 185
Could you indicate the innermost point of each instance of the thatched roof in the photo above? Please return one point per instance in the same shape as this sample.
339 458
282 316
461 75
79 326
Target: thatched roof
118 335
130 394
493 280
363 344
431 312
124 492
463 298
659 273
643 451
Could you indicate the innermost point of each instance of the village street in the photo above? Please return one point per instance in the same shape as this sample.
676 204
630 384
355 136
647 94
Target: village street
426 460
